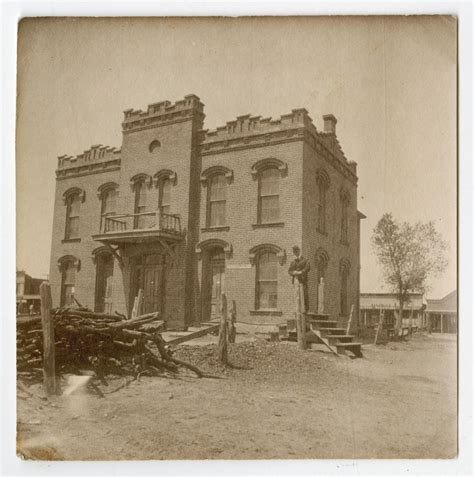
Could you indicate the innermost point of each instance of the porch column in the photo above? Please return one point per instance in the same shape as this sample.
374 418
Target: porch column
441 323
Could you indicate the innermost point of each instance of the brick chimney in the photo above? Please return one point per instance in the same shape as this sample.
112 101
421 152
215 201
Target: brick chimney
330 123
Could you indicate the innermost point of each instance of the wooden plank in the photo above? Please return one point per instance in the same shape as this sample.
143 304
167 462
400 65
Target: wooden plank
49 366
194 334
349 322
300 317
222 346
233 319
380 325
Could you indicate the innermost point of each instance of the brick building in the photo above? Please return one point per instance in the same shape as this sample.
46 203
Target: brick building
185 213
27 293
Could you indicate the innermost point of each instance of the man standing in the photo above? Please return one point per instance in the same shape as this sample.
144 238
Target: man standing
299 269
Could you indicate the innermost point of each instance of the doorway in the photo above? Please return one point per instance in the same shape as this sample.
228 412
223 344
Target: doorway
103 284
148 274
214 283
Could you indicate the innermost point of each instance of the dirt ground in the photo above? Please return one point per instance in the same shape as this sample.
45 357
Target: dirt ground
399 401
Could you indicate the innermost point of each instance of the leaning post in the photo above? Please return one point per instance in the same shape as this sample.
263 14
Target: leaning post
300 318
222 348
49 367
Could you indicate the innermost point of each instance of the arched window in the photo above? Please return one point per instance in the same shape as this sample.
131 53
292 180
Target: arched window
154 145
266 296
322 183
345 200
140 188
68 266
107 194
321 264
164 197
268 195
216 200
344 271
73 200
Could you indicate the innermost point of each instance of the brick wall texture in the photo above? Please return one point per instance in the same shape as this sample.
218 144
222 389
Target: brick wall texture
190 155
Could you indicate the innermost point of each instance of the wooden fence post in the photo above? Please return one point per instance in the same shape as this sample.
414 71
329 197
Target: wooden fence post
49 371
222 349
349 321
233 319
300 318
379 327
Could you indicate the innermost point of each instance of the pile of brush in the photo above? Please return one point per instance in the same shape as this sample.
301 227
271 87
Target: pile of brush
107 344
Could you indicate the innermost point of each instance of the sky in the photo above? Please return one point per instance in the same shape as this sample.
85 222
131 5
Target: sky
390 82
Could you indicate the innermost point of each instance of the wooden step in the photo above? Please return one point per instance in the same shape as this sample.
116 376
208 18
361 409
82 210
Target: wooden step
324 323
335 339
317 316
353 347
332 331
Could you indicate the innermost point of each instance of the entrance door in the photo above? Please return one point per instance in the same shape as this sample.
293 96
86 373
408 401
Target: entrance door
148 274
217 269
103 287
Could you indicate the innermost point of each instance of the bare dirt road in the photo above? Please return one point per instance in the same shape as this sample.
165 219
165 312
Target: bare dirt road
399 401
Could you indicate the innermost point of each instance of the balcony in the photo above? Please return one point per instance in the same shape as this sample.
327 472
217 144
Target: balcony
138 228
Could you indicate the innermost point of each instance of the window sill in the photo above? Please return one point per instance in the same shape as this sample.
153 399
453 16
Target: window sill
268 225
266 312
71 240
223 228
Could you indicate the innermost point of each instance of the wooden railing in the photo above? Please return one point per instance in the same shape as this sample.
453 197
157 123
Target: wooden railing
144 221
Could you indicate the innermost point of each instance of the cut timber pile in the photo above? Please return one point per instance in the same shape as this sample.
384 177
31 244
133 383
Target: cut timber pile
107 344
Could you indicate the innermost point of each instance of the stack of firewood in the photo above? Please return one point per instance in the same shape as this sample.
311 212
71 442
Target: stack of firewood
107 344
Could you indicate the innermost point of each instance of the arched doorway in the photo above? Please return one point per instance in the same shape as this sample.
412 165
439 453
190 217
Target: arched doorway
213 280
103 282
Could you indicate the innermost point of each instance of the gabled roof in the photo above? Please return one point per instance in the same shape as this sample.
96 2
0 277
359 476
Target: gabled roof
447 304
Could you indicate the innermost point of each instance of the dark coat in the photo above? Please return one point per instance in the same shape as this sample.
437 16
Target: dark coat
300 264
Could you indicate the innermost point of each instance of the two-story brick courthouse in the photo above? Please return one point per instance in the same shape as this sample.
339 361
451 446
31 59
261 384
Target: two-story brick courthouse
185 214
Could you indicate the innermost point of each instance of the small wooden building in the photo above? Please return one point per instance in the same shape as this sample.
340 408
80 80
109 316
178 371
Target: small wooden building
372 304
442 314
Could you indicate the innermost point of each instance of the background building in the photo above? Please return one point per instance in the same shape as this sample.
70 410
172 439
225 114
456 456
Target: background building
185 214
27 293
372 304
442 314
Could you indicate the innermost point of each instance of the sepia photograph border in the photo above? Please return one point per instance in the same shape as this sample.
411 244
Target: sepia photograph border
462 465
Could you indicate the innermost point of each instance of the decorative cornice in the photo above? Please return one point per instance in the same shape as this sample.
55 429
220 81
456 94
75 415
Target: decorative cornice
69 258
269 162
217 170
267 247
213 243
165 174
85 170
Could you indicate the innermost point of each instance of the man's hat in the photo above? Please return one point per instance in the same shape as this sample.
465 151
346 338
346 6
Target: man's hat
296 247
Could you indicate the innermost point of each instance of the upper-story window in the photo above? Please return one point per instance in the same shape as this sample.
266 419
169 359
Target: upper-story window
345 200
140 220
216 200
164 198
269 195
322 184
73 200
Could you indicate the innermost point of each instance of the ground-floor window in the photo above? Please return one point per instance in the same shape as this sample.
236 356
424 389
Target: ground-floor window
266 281
103 284
68 281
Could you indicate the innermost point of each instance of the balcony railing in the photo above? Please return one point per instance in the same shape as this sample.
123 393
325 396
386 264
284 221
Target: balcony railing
144 221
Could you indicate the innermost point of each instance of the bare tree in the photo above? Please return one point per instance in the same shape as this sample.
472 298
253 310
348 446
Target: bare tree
410 255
